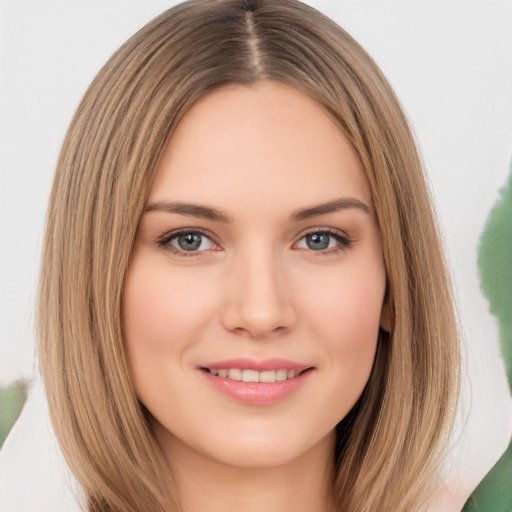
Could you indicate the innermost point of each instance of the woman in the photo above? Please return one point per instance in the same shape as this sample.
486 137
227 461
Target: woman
214 110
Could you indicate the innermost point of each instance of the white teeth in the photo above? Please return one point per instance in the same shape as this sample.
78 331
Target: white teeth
235 374
269 376
281 375
250 376
254 375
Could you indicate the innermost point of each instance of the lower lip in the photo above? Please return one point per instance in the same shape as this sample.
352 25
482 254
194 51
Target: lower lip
257 393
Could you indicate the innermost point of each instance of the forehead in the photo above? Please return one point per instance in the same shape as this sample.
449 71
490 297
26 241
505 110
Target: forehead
264 142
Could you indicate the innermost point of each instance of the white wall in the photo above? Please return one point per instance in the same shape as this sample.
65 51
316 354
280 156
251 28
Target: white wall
450 62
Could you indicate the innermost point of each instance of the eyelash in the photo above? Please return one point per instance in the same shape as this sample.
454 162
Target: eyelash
344 242
165 241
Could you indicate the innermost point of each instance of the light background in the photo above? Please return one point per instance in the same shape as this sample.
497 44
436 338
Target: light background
450 61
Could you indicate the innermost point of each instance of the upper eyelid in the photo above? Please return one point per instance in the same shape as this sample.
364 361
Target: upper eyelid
166 238
324 229
178 231
331 231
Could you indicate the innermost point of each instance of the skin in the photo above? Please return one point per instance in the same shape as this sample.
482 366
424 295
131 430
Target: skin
256 289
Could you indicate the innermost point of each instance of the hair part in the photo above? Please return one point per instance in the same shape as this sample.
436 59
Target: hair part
390 444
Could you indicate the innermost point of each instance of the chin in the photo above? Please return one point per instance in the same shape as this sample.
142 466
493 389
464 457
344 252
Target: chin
266 451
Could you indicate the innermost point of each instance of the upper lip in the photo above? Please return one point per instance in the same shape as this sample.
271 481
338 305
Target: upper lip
258 365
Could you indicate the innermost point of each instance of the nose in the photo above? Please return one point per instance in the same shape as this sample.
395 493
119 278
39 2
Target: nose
258 296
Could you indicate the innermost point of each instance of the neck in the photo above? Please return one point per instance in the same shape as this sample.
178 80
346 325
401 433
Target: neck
302 484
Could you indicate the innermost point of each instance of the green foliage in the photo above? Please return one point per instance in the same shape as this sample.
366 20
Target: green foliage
11 402
495 264
494 494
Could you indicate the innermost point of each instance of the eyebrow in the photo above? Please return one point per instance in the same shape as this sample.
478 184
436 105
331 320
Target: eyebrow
206 212
345 203
194 210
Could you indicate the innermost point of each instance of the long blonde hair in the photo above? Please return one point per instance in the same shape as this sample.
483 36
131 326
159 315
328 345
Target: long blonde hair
389 446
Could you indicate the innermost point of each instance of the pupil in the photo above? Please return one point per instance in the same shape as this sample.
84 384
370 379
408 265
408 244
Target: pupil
189 242
318 241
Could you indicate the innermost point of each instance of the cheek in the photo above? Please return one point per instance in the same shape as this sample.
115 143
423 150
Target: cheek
348 303
163 314
345 317
157 305
149 309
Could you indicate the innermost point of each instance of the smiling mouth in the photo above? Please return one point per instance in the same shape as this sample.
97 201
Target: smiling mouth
246 375
257 382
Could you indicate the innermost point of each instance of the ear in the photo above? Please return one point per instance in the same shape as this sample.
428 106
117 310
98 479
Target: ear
385 315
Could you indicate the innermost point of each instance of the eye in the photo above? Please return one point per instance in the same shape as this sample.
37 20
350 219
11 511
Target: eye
183 242
323 241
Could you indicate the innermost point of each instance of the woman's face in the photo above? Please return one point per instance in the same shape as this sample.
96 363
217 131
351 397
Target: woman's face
258 257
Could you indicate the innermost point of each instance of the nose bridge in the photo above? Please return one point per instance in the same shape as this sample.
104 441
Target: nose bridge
258 299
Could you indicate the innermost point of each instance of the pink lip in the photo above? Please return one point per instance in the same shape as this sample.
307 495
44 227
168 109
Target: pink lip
257 393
